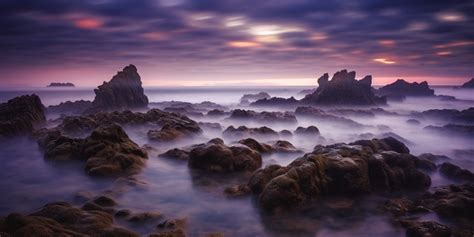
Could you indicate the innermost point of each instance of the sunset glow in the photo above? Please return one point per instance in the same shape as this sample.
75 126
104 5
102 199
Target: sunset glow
88 23
384 61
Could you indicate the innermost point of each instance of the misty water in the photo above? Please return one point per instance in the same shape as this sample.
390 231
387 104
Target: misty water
28 181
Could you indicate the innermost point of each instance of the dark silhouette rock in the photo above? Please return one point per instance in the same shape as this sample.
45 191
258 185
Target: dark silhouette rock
248 98
451 115
277 146
343 89
309 131
175 130
453 129
403 88
455 172
263 117
70 107
321 116
276 101
214 156
21 115
124 91
243 132
60 84
357 168
62 219
425 228
469 84
413 122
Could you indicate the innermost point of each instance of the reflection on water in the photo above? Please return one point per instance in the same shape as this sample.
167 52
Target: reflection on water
27 181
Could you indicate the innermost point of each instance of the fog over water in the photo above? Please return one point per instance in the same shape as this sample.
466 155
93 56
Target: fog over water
28 181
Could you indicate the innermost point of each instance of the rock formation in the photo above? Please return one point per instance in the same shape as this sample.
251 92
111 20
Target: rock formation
123 92
69 107
248 98
20 115
357 168
469 84
244 132
403 88
343 89
263 117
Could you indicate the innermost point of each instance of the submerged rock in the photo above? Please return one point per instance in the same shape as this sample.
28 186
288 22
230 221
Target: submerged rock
263 117
124 91
403 88
215 156
276 101
248 98
62 219
309 131
455 172
21 115
454 129
320 115
343 89
357 168
70 107
451 115
243 132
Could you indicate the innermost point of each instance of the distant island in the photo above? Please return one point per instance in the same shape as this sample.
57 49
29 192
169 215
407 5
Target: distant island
60 84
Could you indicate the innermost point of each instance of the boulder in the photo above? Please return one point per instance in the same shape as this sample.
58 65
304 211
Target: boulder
454 129
455 172
124 91
263 117
308 131
244 132
69 107
215 156
357 168
21 115
277 146
62 219
451 115
403 88
343 89
276 101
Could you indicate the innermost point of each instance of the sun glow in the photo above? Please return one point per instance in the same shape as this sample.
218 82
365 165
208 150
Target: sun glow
243 44
384 61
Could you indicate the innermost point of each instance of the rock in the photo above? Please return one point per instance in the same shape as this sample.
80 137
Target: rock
263 117
455 172
123 213
321 116
403 88
144 216
340 169
171 228
243 132
276 101
309 131
21 115
176 153
434 158
278 146
110 151
451 115
60 84
214 156
469 84
210 126
343 89
174 131
124 91
454 129
285 133
217 113
248 98
426 228
237 191
307 91
354 112
62 219
104 201
413 122
193 108
69 107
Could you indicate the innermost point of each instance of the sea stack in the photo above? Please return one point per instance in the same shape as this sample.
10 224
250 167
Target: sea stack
123 92
404 88
343 89
469 84
20 115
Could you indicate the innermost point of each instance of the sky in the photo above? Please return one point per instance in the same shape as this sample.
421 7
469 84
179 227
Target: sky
235 42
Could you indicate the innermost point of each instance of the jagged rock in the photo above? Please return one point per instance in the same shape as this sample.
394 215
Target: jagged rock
216 157
276 101
320 115
20 115
469 84
80 125
455 172
403 88
243 131
69 107
263 117
217 112
277 146
124 91
107 151
62 219
456 129
248 98
357 168
343 89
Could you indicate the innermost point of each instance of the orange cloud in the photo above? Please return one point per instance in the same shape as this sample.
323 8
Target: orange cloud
154 36
387 42
243 44
444 53
454 44
384 61
88 23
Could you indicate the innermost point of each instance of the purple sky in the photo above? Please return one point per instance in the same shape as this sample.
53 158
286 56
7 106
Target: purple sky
235 42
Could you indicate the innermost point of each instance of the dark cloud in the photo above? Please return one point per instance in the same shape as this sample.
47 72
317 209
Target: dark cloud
283 34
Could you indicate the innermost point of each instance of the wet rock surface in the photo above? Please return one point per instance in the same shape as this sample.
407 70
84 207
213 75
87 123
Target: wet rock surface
357 168
62 219
124 91
215 156
108 151
403 88
278 146
343 89
20 115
